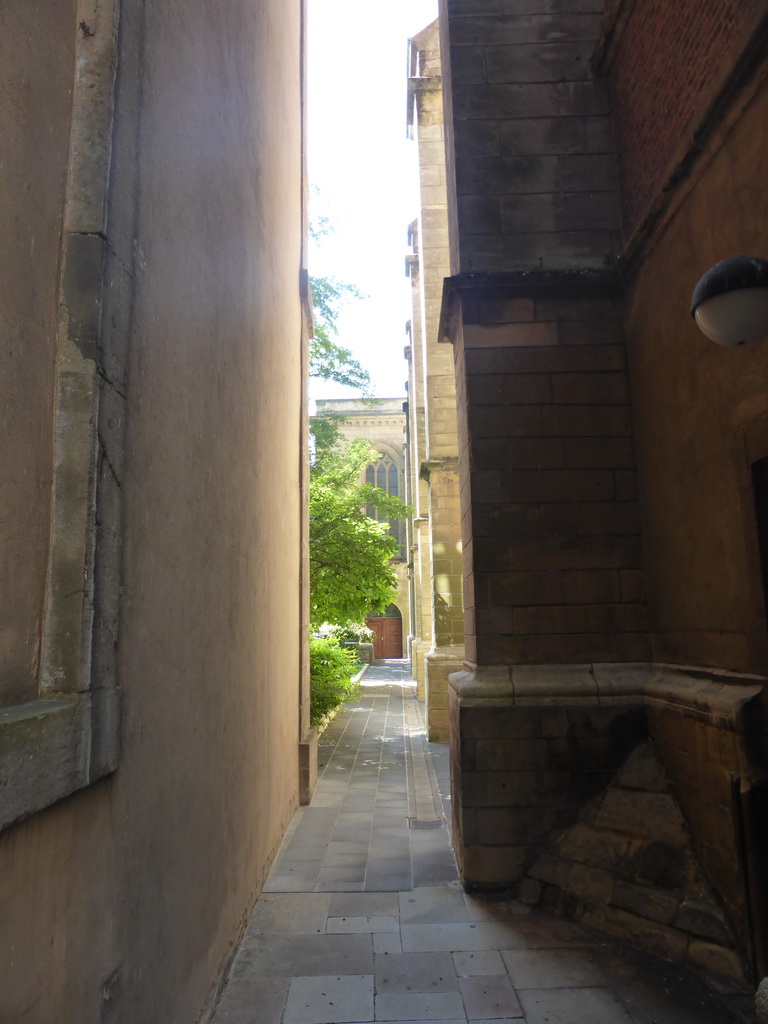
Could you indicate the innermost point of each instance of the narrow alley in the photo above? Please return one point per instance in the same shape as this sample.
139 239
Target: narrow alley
364 918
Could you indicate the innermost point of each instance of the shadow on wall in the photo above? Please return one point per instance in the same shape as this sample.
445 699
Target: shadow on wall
442 615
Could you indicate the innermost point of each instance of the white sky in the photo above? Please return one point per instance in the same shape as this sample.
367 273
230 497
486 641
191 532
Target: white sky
365 169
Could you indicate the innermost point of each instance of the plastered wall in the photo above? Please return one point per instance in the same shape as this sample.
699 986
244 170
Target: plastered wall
123 903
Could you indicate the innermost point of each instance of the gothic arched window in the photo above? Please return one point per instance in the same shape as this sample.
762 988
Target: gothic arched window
385 473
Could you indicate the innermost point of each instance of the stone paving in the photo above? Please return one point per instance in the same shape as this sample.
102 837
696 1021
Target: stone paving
363 917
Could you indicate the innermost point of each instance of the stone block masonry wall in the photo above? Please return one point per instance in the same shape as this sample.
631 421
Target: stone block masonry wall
666 62
560 795
554 559
707 764
627 867
439 464
553 554
534 176
521 774
419 494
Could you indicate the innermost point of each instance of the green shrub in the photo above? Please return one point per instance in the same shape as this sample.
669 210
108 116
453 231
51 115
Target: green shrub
331 668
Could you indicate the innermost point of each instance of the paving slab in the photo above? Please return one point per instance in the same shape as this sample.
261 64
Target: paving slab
569 1005
409 973
333 873
387 942
469 965
290 883
329 1000
489 995
253 1001
363 903
303 956
657 992
433 905
490 908
362 925
553 968
290 914
459 937
392 1006
503 1020
363 918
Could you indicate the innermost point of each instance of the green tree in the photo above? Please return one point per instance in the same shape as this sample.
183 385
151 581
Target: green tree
327 359
349 553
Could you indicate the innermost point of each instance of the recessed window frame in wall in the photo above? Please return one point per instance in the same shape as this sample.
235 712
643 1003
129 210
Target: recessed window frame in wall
387 474
67 737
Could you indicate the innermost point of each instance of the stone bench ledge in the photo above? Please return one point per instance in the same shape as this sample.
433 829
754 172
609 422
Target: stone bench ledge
707 694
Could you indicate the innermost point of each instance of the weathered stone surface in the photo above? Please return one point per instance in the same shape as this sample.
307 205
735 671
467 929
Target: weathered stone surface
645 901
654 815
500 723
496 755
643 770
609 868
703 920
516 825
557 901
587 845
492 865
637 931
550 869
659 863
529 892
761 1002
716 959
553 212
593 885
43 755
526 788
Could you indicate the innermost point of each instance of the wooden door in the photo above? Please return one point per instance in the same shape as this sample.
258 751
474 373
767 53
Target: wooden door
389 637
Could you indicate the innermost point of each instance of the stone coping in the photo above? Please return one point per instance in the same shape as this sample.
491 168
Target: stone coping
446 652
702 693
44 754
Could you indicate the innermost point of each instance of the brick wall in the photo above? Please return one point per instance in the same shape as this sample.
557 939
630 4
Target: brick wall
664 71
553 554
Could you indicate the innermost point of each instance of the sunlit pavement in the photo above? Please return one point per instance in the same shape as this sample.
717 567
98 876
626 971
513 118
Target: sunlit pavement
363 917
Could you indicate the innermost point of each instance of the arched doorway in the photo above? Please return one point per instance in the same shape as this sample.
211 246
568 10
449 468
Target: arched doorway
388 628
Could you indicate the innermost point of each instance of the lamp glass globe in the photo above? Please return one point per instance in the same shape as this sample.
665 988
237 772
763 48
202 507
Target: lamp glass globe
735 317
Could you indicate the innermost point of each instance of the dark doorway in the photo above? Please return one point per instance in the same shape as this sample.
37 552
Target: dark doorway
752 802
388 628
760 490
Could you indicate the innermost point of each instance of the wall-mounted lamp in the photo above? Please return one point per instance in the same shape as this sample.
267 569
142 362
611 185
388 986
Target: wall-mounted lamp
730 302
